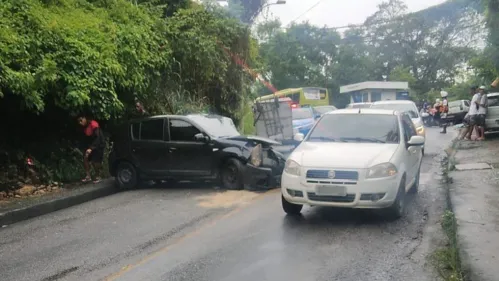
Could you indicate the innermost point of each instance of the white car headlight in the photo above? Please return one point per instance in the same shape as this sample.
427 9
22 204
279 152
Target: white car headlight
292 167
383 170
256 156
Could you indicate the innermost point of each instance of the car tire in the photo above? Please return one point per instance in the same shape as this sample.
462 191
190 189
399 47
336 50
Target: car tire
290 208
232 174
396 210
126 176
415 186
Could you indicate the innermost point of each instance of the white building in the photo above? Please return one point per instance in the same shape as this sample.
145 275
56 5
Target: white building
371 91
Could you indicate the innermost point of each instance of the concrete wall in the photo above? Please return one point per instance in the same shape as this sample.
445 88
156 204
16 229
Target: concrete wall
389 95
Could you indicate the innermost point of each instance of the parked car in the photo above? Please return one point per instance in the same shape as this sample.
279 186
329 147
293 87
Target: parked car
359 105
408 107
373 158
457 110
492 118
303 119
192 147
321 110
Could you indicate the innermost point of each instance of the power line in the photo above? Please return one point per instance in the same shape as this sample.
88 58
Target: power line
304 13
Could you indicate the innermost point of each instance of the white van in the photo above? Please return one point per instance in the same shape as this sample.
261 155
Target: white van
457 110
492 118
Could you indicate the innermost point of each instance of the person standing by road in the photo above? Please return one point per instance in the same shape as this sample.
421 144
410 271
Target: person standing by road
437 113
444 109
482 112
94 154
473 112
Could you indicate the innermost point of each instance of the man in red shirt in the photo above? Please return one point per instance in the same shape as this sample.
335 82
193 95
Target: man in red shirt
94 154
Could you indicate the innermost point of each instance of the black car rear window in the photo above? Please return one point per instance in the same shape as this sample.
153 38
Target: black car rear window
148 130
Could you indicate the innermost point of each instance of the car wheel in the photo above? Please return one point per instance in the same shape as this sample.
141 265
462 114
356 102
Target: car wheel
290 208
126 176
415 186
232 174
396 210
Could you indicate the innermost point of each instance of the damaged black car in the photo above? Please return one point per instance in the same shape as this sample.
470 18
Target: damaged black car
193 147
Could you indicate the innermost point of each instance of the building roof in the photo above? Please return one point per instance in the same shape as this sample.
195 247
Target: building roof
384 85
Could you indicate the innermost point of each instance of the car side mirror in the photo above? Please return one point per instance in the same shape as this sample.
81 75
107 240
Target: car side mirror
317 116
416 140
299 137
201 137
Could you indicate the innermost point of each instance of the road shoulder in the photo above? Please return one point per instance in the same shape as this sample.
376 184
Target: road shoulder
26 208
474 195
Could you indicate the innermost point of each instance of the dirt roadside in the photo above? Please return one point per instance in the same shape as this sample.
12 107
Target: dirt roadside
474 195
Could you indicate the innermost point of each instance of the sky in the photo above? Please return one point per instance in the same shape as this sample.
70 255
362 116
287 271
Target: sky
335 12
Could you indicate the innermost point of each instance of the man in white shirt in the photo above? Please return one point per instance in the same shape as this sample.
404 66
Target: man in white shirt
473 112
482 112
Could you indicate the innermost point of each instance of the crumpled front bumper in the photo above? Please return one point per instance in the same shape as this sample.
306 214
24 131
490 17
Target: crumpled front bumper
262 178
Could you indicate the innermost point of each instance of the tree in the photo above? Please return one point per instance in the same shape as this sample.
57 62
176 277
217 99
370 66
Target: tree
434 47
300 56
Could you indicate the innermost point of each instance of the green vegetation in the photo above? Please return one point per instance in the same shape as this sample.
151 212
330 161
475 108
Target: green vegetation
429 49
446 259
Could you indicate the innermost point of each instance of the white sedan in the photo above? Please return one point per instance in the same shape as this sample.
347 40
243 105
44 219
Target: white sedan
406 106
367 158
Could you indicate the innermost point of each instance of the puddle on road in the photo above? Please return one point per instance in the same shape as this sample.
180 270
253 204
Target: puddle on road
227 199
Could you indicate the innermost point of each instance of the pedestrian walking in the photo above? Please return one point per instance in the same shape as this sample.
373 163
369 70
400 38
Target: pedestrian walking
437 112
94 154
444 109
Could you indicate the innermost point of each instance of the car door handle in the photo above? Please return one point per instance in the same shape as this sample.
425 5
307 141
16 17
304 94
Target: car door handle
172 148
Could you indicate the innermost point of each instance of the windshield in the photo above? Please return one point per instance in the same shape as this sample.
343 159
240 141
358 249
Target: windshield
302 113
408 108
324 109
216 126
364 128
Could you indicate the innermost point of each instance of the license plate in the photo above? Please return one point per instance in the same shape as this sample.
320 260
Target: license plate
330 190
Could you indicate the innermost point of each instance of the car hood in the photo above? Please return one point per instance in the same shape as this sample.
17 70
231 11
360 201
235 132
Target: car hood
343 155
303 122
262 140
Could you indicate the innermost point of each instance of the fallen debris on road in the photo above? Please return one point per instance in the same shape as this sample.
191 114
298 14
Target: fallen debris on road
29 207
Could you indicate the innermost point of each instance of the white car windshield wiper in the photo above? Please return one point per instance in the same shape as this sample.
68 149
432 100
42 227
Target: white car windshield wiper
363 140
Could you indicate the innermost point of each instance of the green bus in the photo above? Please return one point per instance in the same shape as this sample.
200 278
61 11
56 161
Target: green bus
311 96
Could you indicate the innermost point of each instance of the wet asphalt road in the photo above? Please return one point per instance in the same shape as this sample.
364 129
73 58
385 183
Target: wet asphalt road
195 233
